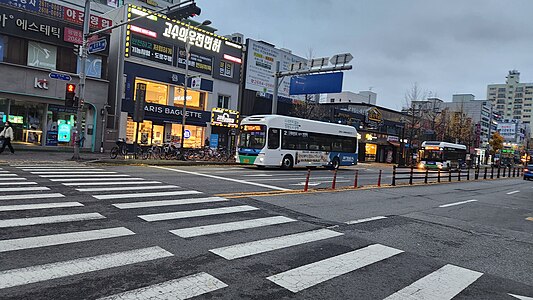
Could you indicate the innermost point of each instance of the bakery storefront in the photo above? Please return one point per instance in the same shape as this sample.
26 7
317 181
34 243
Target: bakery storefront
224 124
37 44
164 107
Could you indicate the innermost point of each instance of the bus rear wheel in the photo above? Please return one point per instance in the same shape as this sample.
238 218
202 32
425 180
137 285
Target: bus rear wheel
287 162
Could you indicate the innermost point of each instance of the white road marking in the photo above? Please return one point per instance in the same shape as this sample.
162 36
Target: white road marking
25 189
513 192
197 213
13 178
63 238
231 226
22 276
39 206
221 169
49 220
312 274
111 183
312 183
18 183
261 246
31 196
520 297
8 175
167 202
142 195
443 284
75 172
224 178
258 175
128 188
48 166
4 171
94 179
182 288
365 220
456 203
83 175
296 178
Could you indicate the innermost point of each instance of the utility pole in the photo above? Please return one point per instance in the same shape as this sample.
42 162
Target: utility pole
83 63
276 89
184 108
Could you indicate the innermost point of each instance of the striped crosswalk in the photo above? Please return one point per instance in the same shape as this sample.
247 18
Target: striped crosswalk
190 215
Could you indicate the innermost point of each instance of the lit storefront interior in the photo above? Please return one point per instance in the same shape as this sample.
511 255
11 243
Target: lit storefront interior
370 152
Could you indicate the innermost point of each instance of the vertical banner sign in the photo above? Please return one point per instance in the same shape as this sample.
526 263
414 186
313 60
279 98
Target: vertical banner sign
140 97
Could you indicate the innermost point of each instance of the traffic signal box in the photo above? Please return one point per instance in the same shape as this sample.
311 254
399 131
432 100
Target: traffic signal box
70 95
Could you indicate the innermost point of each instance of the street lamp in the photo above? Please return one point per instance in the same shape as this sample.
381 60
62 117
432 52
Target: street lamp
184 110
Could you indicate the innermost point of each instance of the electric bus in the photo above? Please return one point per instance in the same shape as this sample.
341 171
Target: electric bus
281 141
442 155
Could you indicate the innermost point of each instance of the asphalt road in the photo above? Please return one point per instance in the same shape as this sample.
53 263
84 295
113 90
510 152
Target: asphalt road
69 231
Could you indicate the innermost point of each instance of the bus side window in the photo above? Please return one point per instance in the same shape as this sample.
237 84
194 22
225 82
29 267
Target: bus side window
273 138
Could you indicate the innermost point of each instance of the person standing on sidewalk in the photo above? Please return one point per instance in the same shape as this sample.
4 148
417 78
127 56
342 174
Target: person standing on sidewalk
7 134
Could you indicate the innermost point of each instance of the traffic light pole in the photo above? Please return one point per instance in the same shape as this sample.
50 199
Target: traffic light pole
184 109
81 89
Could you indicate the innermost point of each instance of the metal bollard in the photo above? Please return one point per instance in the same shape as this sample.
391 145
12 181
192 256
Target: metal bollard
476 173
356 177
468 174
498 175
514 172
393 176
334 179
509 174
449 175
491 172
459 174
379 178
438 176
306 186
426 177
485 174
411 176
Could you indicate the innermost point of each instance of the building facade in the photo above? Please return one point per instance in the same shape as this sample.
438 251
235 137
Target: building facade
368 97
513 100
37 58
151 52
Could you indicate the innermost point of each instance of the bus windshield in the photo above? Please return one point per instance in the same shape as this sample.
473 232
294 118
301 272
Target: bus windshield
433 155
253 137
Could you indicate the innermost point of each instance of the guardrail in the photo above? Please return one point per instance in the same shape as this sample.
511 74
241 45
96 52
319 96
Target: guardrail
428 176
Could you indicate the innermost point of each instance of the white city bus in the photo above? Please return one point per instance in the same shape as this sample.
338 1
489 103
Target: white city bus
441 155
274 140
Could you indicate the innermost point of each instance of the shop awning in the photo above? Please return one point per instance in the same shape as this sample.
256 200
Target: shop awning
395 144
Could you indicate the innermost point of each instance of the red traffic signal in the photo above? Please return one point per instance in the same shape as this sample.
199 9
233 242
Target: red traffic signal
71 88
70 93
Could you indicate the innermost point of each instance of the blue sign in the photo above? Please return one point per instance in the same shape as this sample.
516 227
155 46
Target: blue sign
316 84
24 4
63 134
60 76
97 46
213 140
1 48
187 133
93 67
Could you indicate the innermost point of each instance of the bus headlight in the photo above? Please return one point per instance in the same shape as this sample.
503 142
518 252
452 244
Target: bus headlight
440 167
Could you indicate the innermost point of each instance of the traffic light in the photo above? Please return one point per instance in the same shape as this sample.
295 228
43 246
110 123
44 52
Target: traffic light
70 93
184 12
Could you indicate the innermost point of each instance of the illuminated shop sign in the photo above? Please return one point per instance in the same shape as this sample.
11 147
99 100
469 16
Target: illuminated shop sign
143 31
197 62
151 50
194 37
224 117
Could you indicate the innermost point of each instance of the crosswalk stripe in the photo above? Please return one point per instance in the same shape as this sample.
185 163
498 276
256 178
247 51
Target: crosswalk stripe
443 284
60 169
110 183
197 213
8 175
18 183
49 220
365 220
22 276
4 171
84 175
231 226
12 178
128 188
261 246
25 189
182 288
167 202
312 274
47 166
94 179
31 196
75 172
142 195
63 238
39 206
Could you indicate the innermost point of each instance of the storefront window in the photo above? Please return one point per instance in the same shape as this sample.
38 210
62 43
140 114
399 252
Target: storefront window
196 138
370 152
155 92
148 133
195 99
27 120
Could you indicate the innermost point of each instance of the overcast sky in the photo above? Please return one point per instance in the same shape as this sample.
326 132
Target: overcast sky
446 46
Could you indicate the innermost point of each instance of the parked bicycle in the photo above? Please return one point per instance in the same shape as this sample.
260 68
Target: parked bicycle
122 148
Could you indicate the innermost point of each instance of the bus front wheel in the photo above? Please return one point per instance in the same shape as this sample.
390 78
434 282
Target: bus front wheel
287 162
336 163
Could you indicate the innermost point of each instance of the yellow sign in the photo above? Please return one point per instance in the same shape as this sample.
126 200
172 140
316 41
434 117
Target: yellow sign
373 114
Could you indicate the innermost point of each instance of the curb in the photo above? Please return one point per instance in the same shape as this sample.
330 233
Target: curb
140 162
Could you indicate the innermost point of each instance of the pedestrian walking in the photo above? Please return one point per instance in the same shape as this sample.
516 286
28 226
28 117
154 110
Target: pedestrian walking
7 135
